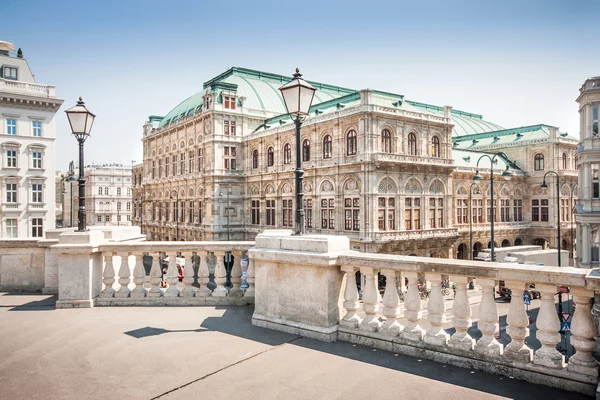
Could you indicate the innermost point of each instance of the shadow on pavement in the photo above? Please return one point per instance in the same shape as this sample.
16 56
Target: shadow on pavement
45 302
150 331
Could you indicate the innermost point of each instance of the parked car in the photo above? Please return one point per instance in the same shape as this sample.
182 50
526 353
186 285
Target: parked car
165 267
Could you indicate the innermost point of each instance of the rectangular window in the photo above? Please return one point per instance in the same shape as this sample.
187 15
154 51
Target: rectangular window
386 213
11 228
191 161
255 212
229 154
10 73
564 209
287 212
408 214
518 210
535 210
191 213
477 211
174 158
200 154
489 215
595 120
544 210
412 214
182 164
11 192
436 213
308 212
462 216
327 213
200 211
352 214
36 193
11 126
595 181
128 218
504 210
270 212
11 158
37 159
99 218
229 102
37 227
107 218
153 169
36 127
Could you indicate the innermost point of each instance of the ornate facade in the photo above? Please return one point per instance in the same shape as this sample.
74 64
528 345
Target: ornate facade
392 174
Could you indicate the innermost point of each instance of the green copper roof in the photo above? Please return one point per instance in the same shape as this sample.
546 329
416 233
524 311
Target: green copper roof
505 136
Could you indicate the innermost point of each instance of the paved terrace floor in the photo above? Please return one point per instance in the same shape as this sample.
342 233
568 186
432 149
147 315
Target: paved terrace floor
210 352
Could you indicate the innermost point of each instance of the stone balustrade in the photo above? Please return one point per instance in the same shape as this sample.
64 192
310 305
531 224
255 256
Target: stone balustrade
133 274
7 85
363 325
411 159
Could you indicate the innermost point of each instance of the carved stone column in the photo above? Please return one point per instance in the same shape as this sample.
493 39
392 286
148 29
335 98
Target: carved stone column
412 305
203 275
188 276
370 302
461 311
220 275
488 320
172 276
518 325
548 326
124 278
391 304
436 313
109 276
155 277
139 275
236 275
583 330
351 304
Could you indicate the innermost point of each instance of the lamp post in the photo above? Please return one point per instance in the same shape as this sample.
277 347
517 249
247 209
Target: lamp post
471 220
544 186
81 121
176 213
298 96
506 174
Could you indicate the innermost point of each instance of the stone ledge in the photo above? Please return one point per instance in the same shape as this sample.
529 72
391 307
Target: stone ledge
173 301
529 372
296 328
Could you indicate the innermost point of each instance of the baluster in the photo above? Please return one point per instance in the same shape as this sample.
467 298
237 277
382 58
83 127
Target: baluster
250 278
518 325
351 304
548 326
436 312
412 304
155 277
391 304
203 278
109 276
188 276
220 275
139 275
172 276
583 331
370 301
488 320
124 279
461 312
236 275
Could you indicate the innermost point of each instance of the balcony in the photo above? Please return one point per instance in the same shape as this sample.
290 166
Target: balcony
408 159
34 89
415 235
498 226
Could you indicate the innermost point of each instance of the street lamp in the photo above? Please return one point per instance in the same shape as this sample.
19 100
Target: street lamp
176 213
81 121
506 174
544 186
298 96
471 220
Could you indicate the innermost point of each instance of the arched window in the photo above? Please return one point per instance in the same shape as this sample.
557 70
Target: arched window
564 161
106 191
255 159
306 150
327 146
100 191
412 144
435 147
270 157
386 141
287 153
100 206
538 162
351 143
118 191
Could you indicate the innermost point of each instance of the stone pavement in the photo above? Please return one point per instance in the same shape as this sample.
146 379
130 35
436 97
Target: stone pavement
210 352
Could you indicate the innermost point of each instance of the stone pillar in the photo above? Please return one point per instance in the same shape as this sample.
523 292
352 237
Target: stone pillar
584 331
79 268
124 276
370 301
108 276
548 326
351 304
436 309
518 325
412 305
139 275
236 275
220 275
298 283
584 248
188 276
391 304
203 275
155 276
461 311
172 276
488 320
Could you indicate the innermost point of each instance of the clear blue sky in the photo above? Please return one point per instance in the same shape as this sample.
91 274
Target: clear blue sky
516 62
